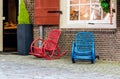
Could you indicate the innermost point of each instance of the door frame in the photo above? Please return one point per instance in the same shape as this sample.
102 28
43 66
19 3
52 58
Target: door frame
1 25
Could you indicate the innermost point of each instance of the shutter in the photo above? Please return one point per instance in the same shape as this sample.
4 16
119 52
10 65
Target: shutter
45 12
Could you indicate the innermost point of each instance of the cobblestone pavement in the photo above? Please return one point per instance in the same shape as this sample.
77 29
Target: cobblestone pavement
30 67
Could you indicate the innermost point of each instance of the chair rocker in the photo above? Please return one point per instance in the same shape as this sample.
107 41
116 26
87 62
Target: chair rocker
83 48
49 48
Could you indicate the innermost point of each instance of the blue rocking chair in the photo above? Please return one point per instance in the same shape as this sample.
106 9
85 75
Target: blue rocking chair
83 48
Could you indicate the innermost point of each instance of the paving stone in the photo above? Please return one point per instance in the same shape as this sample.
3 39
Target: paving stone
30 67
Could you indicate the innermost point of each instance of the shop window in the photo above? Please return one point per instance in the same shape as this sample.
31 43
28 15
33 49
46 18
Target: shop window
86 14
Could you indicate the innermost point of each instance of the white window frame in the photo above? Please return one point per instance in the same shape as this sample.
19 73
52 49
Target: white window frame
66 23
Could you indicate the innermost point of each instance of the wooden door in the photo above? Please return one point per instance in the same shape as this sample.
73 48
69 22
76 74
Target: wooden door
46 12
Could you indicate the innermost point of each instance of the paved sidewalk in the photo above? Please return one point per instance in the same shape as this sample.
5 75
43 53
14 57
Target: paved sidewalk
30 67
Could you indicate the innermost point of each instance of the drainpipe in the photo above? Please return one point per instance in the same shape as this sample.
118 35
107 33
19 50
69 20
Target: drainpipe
40 34
111 13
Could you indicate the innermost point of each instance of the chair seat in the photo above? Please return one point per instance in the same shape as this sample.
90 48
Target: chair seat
83 57
82 52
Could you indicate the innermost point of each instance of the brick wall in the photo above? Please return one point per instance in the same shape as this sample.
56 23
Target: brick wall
104 41
107 41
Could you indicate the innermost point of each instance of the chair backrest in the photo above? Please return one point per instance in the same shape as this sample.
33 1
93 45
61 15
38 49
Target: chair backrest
52 36
84 41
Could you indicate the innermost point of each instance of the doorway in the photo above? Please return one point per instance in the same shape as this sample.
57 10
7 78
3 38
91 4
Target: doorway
10 12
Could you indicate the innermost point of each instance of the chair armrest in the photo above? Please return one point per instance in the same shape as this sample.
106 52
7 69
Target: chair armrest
93 50
31 46
73 47
38 40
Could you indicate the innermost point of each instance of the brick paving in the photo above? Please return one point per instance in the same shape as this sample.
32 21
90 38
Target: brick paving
30 67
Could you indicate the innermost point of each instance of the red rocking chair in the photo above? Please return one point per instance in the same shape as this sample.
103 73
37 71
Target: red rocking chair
49 48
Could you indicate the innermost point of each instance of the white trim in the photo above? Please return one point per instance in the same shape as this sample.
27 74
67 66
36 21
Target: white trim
1 25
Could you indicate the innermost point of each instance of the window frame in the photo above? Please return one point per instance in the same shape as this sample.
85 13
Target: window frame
66 23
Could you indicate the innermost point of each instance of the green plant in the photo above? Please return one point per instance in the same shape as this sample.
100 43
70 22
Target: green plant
105 4
23 16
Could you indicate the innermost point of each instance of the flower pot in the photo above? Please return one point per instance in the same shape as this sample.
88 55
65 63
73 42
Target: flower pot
24 38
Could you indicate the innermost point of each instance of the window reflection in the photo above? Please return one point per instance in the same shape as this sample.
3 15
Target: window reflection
95 1
84 12
95 10
106 16
84 1
74 1
74 13
96 15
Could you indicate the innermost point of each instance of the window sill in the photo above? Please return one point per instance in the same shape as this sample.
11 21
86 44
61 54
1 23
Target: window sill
96 25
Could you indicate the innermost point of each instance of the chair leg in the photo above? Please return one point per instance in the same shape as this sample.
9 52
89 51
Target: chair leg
97 57
92 61
59 54
49 55
73 60
48 58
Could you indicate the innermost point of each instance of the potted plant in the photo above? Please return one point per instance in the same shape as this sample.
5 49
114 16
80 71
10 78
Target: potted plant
105 4
24 30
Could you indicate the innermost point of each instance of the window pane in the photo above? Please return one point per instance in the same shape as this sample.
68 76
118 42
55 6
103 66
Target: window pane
96 14
74 13
84 12
84 1
96 10
106 16
95 1
74 1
